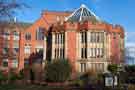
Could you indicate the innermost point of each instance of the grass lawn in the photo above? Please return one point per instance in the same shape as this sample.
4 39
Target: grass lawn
40 87
36 87
29 87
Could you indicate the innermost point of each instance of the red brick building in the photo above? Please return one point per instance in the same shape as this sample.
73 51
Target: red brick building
10 45
79 36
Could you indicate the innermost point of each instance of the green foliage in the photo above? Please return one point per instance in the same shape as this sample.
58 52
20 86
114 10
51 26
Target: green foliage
89 77
113 68
32 75
58 71
130 68
129 74
13 76
20 75
2 77
77 83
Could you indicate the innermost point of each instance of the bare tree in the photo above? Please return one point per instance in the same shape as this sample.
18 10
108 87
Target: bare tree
8 8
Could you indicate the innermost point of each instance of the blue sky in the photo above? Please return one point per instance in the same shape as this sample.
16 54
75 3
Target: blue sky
113 11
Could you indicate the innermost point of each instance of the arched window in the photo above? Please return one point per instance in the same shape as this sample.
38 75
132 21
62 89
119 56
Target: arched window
40 34
16 35
27 48
6 35
27 36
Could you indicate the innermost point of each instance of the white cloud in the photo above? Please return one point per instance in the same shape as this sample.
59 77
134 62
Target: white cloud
130 38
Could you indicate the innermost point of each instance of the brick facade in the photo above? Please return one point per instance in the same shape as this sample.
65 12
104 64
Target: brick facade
64 39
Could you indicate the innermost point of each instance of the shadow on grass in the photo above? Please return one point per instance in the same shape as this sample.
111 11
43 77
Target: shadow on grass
38 87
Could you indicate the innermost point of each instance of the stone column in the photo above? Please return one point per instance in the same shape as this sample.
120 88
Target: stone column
44 53
53 45
88 45
79 45
60 45
65 45
105 46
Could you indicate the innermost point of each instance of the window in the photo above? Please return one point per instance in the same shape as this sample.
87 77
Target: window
84 37
5 63
15 50
93 52
114 35
27 48
40 34
55 51
56 38
14 63
26 62
97 67
39 49
28 36
96 52
58 54
94 37
83 67
81 52
15 44
98 37
59 42
90 52
61 53
102 37
84 53
5 50
101 52
15 35
6 35
91 37
6 44
59 38
101 67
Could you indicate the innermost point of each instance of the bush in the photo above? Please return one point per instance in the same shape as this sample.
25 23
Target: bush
58 71
113 68
129 74
130 68
20 76
76 83
2 77
131 87
89 78
13 76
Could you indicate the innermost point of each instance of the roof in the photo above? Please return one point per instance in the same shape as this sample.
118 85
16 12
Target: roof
11 25
82 14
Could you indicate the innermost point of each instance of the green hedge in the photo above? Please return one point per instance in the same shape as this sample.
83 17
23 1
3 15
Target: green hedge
58 71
